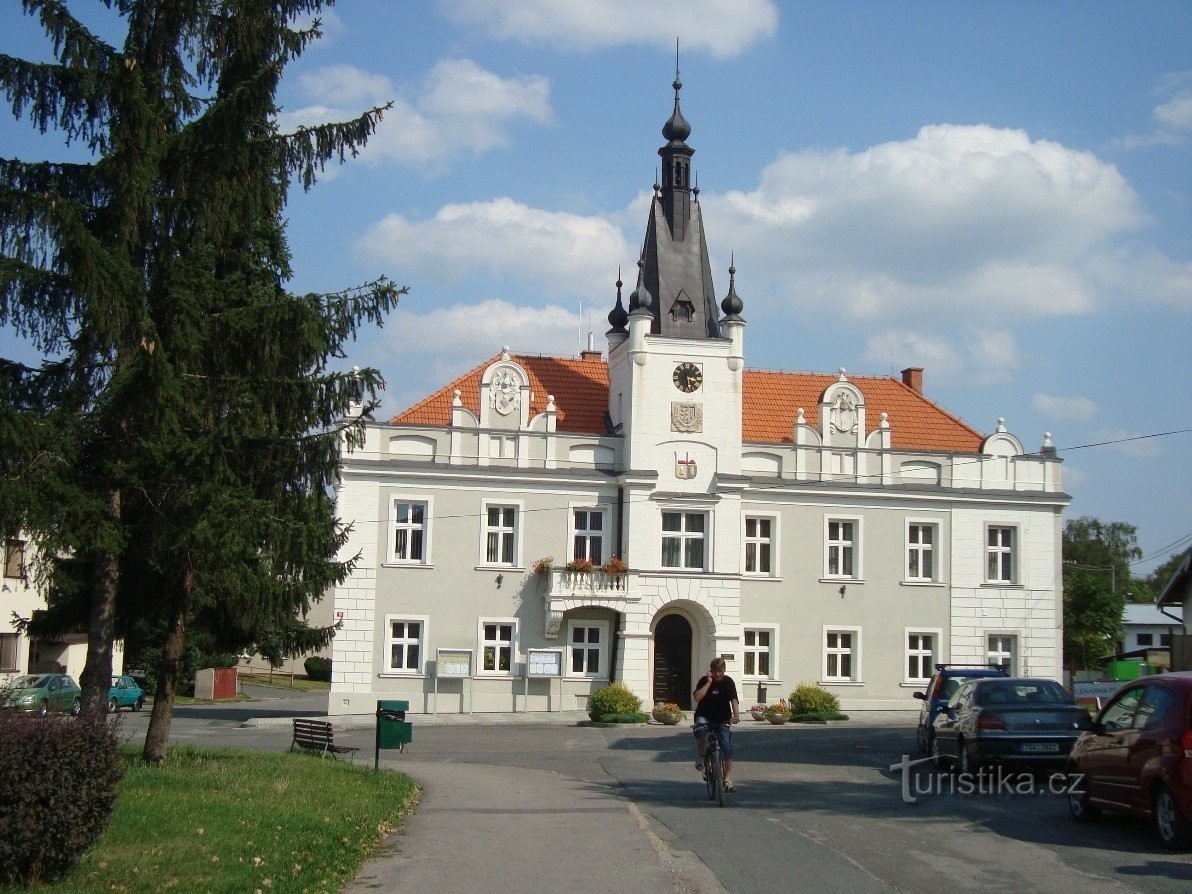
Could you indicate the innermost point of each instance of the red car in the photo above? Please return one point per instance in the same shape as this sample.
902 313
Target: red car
1136 757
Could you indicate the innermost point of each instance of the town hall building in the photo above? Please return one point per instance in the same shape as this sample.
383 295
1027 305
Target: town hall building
542 526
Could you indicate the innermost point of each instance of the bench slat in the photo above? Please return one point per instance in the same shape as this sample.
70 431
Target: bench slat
317 735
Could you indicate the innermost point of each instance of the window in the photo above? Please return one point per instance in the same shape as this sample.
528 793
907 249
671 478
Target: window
999 555
588 641
8 652
500 535
1000 651
758 545
920 552
14 559
759 652
920 656
404 639
409 532
841 652
496 647
588 539
683 540
841 548
1146 639
1165 639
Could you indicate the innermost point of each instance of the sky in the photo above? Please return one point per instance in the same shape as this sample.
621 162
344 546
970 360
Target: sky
996 192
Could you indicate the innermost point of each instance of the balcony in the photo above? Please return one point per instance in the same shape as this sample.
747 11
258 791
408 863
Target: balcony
566 590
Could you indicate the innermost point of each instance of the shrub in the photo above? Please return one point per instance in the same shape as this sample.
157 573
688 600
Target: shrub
811 699
624 717
56 794
613 699
318 668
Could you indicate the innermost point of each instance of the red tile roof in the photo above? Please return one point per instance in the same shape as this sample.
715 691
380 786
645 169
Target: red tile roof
771 403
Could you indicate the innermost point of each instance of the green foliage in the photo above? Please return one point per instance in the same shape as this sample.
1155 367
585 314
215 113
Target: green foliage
623 717
318 668
1097 557
809 698
56 794
818 716
615 698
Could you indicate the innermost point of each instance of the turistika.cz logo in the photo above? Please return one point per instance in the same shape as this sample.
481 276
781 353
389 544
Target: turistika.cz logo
991 780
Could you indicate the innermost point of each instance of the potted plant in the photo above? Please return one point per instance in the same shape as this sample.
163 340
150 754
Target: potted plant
615 566
778 713
668 713
580 566
544 565
758 712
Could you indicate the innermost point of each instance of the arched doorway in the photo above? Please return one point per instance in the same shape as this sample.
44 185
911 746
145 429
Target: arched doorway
672 661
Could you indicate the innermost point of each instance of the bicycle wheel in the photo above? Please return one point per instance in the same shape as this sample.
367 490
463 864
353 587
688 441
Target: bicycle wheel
718 778
709 775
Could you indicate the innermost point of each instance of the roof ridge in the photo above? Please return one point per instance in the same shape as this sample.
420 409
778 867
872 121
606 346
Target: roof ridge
940 407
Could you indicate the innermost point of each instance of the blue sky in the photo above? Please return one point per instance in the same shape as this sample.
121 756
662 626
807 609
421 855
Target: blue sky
998 192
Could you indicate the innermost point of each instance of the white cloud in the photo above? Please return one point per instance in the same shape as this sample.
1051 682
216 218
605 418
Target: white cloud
1130 442
330 24
1074 408
964 225
553 251
458 109
722 27
1176 113
979 357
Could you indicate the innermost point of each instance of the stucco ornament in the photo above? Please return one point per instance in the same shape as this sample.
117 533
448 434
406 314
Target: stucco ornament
844 413
505 392
687 417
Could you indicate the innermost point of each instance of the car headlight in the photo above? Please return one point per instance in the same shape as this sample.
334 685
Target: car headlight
27 699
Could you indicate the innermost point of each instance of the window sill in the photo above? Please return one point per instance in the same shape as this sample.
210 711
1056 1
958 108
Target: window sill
500 568
580 678
397 675
407 565
762 681
750 575
841 682
842 580
1002 585
922 583
914 684
495 677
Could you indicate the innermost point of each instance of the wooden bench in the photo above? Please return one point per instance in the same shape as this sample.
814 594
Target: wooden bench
317 735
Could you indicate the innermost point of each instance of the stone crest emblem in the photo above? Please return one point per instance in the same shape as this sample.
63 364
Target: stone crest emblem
505 392
685 467
687 417
844 414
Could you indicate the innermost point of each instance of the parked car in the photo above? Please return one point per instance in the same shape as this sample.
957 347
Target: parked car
944 683
42 693
125 693
1009 720
1136 757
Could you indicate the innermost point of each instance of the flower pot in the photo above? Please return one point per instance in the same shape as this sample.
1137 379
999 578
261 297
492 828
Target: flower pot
778 719
758 715
668 718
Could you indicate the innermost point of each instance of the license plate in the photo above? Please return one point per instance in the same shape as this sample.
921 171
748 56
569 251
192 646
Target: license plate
1040 748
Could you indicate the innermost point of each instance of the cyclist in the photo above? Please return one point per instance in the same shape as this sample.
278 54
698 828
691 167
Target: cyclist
716 702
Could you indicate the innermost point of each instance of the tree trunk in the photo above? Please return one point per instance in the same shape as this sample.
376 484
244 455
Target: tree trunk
96 679
158 735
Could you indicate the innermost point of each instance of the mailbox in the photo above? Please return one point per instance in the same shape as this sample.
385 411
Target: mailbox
393 730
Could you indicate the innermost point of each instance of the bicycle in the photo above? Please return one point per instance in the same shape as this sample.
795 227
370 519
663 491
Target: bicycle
714 764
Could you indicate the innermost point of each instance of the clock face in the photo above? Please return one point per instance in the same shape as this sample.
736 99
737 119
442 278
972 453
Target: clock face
687 377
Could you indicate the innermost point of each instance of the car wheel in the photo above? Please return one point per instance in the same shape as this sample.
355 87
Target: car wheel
968 764
139 703
937 757
1082 810
112 706
1174 830
924 740
42 709
75 707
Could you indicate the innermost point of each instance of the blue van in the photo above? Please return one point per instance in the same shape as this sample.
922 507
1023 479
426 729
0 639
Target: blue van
945 681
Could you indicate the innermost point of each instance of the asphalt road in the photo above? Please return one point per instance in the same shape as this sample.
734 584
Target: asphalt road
816 807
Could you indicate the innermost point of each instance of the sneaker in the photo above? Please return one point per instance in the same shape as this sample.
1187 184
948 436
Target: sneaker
699 763
729 786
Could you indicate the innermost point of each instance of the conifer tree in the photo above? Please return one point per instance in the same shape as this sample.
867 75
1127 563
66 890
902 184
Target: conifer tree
200 391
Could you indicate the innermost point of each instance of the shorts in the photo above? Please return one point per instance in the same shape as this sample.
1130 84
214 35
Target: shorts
723 733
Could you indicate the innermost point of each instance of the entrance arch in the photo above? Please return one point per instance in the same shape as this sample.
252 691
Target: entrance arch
672 661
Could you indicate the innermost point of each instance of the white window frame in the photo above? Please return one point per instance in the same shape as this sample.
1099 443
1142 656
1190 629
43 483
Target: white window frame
1000 550
497 643
604 535
854 544
756 650
853 651
422 621
927 657
1013 653
10 648
602 672
518 507
758 540
683 536
913 548
427 514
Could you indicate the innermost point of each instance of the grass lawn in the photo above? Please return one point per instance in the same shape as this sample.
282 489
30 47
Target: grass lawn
241 822
282 681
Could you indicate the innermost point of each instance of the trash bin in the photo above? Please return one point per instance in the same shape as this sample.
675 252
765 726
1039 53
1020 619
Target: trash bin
393 730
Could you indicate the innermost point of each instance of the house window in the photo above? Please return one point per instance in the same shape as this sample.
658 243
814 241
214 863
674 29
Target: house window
999 652
409 532
841 548
759 652
920 552
14 559
840 655
683 540
1165 639
588 539
8 652
1146 639
920 656
758 544
999 555
588 641
496 647
500 535
404 640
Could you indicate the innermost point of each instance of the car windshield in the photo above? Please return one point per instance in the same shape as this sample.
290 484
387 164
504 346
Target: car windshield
1023 692
30 681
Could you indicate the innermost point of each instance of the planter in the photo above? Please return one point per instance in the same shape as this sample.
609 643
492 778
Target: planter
758 715
670 719
778 719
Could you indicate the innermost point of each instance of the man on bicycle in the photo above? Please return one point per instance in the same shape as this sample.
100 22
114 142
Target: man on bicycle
716 702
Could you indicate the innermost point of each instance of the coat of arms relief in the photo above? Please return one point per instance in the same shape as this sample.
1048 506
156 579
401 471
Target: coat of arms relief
687 417
505 392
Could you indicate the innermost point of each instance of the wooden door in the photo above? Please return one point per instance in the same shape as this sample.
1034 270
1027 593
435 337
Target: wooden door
672 661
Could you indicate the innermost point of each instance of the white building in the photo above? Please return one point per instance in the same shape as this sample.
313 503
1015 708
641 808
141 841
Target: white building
829 528
1146 627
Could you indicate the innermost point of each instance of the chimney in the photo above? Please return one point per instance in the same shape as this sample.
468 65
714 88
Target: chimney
912 377
591 352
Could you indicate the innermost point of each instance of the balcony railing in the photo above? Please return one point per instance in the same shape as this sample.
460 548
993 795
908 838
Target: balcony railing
571 589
